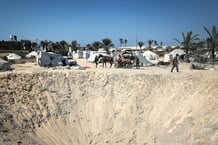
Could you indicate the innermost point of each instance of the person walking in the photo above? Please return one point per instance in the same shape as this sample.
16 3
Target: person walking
175 63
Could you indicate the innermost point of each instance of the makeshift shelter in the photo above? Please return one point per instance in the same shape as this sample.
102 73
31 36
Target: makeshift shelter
93 54
49 59
32 54
14 58
173 53
150 55
4 65
143 60
177 51
92 57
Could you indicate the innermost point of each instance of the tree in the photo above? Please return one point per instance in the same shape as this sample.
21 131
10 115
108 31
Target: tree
107 43
161 43
42 43
212 40
33 45
89 46
125 41
64 47
96 45
140 44
188 42
121 42
45 44
150 43
55 47
74 45
155 42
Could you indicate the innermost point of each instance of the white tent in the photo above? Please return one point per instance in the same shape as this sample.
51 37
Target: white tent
92 57
49 59
32 54
143 60
93 54
150 55
173 53
14 58
177 51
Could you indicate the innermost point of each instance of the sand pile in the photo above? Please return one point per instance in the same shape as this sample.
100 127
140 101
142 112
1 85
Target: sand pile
107 108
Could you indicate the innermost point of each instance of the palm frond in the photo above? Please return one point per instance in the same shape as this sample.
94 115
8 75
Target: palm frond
177 41
208 32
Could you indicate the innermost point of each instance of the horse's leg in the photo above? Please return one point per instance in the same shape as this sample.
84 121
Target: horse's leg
105 64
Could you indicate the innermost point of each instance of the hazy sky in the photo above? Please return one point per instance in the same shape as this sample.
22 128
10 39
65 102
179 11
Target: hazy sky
92 20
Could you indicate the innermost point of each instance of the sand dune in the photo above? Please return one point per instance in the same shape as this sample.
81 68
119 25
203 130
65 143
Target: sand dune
108 107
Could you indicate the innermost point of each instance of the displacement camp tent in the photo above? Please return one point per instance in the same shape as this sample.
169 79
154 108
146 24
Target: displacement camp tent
177 51
32 54
143 60
173 53
4 65
14 58
93 54
150 55
49 59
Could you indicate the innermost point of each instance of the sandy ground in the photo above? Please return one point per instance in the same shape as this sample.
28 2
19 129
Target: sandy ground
31 66
108 106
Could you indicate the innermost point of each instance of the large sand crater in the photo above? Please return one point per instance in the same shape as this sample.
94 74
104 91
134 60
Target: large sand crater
98 107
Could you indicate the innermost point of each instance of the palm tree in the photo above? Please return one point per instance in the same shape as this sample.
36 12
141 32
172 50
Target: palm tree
46 42
55 47
125 41
42 43
140 44
96 45
74 45
89 46
188 42
107 43
155 42
212 40
121 42
64 47
161 43
34 45
150 43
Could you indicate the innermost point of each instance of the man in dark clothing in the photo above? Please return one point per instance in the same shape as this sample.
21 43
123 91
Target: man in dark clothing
137 62
175 63
96 61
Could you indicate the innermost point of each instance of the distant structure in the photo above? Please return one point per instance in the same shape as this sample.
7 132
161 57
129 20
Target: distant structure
14 44
13 38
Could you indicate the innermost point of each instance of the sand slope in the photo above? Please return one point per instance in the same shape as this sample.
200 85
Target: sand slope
103 107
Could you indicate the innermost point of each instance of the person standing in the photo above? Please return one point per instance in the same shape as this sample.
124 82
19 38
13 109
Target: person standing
175 63
137 62
96 61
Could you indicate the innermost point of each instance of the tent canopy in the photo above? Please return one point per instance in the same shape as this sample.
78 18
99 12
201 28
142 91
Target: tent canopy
32 54
13 56
177 51
150 55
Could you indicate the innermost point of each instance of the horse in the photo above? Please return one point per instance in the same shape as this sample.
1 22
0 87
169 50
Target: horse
104 60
